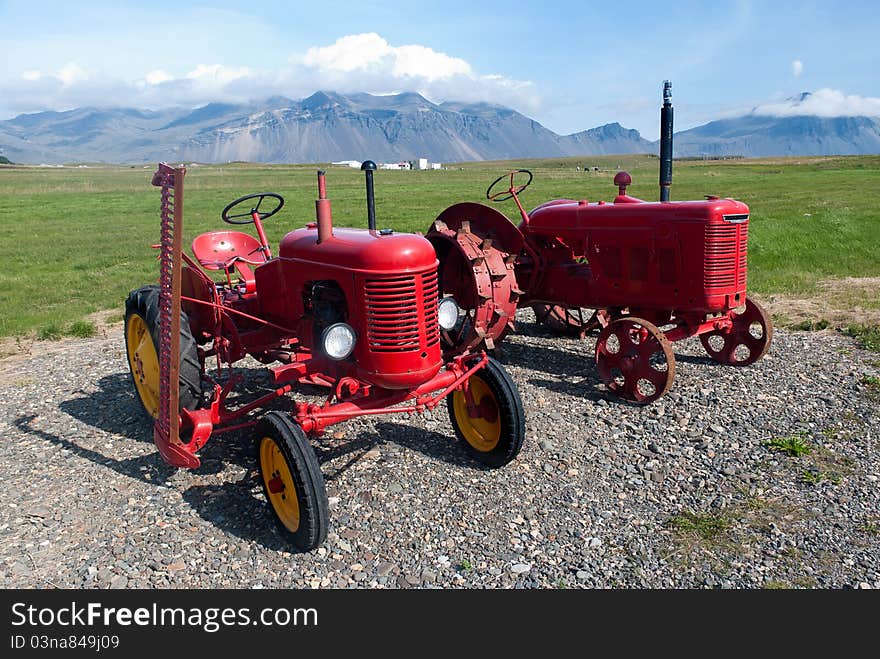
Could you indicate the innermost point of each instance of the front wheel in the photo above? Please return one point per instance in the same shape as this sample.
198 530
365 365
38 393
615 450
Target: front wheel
746 341
292 481
493 429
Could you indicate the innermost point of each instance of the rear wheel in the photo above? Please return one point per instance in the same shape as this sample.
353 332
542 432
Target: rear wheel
142 349
567 321
494 434
292 481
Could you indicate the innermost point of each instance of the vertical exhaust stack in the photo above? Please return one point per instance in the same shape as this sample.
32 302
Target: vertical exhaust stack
666 142
368 167
322 210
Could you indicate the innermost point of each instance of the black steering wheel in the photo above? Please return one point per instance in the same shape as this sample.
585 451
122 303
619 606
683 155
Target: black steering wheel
239 218
512 189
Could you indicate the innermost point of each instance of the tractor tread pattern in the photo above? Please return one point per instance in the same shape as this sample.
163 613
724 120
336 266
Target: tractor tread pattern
494 285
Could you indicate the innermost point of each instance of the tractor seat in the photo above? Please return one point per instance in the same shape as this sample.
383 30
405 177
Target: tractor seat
222 250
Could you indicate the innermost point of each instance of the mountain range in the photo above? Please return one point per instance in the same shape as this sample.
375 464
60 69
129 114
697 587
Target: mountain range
328 126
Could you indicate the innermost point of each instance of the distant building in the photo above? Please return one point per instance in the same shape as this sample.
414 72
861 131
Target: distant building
419 163
354 164
395 165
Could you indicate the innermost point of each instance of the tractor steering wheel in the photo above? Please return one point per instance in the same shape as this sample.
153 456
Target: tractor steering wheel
239 218
512 189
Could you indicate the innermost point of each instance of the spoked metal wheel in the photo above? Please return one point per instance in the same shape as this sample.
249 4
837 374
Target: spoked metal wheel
569 321
478 275
746 342
635 360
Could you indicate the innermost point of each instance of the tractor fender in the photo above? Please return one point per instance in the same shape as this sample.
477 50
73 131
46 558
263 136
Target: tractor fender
485 222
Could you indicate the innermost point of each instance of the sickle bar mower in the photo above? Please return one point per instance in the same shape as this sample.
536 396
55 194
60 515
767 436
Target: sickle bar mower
166 431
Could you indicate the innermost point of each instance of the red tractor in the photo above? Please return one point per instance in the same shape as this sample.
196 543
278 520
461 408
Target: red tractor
356 311
647 274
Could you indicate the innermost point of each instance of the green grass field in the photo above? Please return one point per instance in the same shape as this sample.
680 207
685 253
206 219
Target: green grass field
76 240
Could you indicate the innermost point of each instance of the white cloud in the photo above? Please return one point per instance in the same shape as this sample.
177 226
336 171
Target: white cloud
370 52
822 103
418 61
354 63
218 74
157 77
367 62
355 52
797 68
71 73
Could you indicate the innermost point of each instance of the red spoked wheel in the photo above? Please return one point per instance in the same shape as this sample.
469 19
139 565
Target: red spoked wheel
746 341
635 360
569 321
481 279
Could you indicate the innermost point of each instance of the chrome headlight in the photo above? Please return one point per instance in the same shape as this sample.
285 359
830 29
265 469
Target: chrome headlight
447 313
338 341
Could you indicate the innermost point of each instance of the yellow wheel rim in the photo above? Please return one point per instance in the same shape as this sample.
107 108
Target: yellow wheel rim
144 363
484 431
279 484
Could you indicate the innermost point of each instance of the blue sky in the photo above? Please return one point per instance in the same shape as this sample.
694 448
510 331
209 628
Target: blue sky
570 65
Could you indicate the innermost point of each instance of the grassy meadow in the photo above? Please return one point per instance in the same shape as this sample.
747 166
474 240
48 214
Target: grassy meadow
75 240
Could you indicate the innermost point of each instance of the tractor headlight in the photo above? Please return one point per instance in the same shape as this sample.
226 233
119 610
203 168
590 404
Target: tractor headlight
447 313
338 341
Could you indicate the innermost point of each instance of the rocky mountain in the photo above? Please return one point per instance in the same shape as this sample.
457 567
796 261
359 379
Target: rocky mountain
328 126
787 128
323 127
756 135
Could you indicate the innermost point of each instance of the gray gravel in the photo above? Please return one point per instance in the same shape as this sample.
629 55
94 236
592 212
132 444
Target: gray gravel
599 497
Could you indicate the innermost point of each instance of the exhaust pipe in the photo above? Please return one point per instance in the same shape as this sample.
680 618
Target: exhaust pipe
666 142
323 211
368 167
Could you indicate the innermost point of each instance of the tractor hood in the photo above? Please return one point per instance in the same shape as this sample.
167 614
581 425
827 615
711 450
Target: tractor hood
567 215
360 249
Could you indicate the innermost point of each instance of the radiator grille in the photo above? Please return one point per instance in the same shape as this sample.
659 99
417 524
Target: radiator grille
402 312
724 264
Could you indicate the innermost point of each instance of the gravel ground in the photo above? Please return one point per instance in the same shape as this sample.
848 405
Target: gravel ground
683 493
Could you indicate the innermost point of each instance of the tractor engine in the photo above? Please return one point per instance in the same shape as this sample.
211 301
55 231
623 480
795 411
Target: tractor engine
379 286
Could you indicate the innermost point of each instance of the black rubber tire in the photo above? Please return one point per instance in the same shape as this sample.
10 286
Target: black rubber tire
314 509
510 411
144 302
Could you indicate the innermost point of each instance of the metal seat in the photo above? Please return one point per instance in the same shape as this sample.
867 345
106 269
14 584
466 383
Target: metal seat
226 250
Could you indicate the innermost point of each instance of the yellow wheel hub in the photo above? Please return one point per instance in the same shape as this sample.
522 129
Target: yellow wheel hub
279 484
144 363
483 431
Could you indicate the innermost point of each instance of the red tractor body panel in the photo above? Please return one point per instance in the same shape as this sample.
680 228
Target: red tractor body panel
644 255
389 285
360 250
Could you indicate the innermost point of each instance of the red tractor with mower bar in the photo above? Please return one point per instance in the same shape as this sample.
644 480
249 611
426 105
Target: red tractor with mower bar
355 311
647 274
